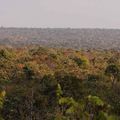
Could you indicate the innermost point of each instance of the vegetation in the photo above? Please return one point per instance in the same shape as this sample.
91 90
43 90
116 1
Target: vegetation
39 83
61 37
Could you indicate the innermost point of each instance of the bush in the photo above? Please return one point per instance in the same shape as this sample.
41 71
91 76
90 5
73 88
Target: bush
4 53
81 62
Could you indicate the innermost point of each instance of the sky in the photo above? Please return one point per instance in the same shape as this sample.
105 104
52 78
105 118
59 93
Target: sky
60 13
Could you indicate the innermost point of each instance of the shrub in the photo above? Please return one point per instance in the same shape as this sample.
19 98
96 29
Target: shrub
4 53
81 62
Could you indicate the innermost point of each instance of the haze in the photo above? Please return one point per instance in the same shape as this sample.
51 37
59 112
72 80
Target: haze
60 13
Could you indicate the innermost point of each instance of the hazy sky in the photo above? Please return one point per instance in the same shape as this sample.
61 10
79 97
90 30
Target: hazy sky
60 13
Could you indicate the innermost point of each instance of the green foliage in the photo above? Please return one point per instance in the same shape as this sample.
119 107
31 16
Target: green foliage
48 84
93 78
112 70
114 60
5 54
92 108
38 51
95 100
28 72
59 91
54 56
71 108
57 84
2 97
71 85
81 62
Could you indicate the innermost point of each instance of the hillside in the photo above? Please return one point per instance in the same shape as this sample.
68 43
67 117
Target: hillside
40 83
58 37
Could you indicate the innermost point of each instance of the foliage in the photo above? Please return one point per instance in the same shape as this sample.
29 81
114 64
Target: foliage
81 62
2 97
5 54
92 108
114 72
59 84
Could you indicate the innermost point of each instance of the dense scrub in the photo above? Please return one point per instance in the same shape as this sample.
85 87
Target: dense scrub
59 84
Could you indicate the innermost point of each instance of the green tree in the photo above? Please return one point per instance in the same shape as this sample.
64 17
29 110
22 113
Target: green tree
81 62
113 72
2 97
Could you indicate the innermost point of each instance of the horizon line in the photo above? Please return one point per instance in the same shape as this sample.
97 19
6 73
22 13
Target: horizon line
59 27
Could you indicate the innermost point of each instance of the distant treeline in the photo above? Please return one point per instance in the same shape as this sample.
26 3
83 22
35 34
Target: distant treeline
61 37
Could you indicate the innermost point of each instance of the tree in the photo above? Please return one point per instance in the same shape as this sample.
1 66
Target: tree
70 109
81 62
5 54
91 108
113 72
2 97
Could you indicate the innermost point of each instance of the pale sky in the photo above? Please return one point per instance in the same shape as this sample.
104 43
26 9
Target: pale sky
60 13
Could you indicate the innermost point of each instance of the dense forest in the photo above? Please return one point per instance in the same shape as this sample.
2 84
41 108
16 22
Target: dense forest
41 83
61 37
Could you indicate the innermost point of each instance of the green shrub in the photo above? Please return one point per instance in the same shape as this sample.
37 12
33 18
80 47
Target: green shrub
81 62
4 53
